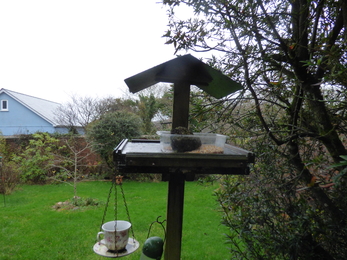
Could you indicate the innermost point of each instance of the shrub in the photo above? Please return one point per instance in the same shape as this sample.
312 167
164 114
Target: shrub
277 217
9 174
35 160
9 177
110 130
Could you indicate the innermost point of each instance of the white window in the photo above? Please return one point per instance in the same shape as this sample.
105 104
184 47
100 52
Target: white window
4 105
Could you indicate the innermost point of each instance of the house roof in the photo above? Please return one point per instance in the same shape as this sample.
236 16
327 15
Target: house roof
42 107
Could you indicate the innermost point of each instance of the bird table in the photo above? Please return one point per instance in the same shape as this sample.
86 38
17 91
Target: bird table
146 156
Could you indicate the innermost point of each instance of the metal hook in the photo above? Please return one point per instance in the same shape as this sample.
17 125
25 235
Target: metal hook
159 222
119 179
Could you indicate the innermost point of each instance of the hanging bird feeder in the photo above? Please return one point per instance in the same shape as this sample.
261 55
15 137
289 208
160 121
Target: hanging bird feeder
154 246
113 239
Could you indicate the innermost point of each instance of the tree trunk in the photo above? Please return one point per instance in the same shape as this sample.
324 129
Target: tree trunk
325 128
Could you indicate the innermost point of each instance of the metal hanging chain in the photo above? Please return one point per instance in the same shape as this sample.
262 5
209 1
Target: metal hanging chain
115 201
106 206
115 182
125 204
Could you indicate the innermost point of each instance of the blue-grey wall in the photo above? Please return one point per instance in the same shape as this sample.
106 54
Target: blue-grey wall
20 120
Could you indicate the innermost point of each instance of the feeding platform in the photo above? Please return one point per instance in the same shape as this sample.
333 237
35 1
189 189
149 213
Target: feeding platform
146 156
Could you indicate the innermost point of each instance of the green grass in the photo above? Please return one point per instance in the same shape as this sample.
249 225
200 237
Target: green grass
31 229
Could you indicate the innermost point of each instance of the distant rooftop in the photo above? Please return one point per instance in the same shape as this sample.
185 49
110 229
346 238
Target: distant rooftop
42 107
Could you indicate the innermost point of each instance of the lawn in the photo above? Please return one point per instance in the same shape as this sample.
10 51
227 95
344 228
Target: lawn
31 229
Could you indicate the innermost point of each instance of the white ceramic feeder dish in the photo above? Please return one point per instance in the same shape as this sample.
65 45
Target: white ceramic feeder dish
131 247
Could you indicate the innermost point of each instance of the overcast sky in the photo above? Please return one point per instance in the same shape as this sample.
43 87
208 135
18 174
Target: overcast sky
53 49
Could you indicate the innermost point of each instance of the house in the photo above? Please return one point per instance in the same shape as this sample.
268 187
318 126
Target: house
24 114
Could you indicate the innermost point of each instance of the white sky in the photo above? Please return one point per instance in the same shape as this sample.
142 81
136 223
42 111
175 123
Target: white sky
54 49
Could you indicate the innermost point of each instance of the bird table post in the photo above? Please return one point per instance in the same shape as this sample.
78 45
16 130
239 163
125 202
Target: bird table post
175 201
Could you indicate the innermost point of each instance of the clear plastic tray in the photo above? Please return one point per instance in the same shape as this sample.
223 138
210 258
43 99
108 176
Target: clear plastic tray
210 143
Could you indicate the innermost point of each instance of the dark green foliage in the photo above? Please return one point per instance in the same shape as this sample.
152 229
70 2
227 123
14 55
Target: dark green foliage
148 106
279 218
106 133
